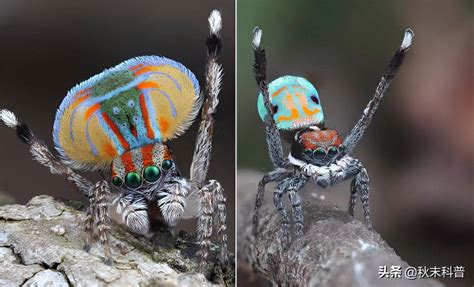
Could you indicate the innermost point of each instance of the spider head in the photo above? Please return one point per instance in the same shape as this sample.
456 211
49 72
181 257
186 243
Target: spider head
316 146
143 168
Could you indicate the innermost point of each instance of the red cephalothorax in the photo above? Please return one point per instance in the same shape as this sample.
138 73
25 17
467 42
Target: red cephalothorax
316 146
312 139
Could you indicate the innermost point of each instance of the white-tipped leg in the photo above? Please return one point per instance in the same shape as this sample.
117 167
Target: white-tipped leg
257 37
215 22
272 133
393 67
42 154
406 43
9 118
214 73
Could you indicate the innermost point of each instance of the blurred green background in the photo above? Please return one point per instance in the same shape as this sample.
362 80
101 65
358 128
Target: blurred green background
419 150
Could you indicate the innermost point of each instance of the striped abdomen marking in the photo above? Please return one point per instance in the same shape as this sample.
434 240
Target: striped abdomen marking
139 102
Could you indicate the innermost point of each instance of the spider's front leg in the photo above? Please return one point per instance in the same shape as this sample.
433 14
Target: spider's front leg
212 205
291 186
97 219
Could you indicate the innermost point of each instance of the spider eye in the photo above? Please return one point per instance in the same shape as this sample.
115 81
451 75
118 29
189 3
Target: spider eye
308 151
151 173
117 181
166 165
319 152
275 109
341 148
332 151
315 99
133 179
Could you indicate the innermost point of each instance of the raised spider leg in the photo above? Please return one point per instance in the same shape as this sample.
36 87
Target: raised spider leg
97 211
275 175
358 131
41 153
203 146
212 203
273 139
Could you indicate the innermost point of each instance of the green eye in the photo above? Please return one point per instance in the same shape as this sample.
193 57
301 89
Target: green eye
319 152
133 179
151 173
167 164
308 151
117 181
332 151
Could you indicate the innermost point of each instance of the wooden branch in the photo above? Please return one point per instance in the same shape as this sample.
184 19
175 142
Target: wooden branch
335 250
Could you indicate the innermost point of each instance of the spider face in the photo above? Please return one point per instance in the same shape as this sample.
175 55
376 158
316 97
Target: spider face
315 146
143 167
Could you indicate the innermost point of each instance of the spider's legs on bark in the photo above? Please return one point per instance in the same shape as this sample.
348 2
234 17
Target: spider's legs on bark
97 219
295 200
293 185
353 199
361 185
212 205
344 169
275 175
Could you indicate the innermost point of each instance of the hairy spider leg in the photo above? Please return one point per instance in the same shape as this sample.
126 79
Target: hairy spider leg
212 205
273 138
276 175
339 171
211 194
293 184
393 67
96 193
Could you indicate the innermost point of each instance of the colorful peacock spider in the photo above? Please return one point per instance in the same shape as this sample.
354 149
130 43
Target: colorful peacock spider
120 120
291 104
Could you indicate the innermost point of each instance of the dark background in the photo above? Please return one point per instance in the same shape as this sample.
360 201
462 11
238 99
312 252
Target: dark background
49 46
419 150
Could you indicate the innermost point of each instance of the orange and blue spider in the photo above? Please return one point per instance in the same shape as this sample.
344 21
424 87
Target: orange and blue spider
118 123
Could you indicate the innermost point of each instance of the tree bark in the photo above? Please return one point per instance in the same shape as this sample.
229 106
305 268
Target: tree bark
335 250
42 243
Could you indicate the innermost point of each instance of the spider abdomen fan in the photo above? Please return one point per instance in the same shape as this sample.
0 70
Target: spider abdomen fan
295 102
139 102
